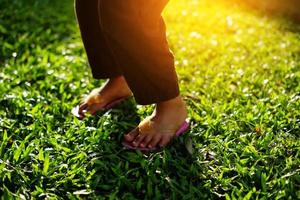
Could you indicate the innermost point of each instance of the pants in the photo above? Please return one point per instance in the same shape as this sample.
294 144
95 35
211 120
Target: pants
128 37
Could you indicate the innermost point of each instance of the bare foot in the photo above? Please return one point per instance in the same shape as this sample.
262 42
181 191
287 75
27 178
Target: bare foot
112 90
159 128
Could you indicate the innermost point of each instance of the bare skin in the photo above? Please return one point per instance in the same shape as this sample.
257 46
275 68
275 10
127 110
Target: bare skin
113 89
155 130
159 128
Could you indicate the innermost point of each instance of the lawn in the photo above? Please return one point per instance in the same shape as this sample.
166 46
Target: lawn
239 71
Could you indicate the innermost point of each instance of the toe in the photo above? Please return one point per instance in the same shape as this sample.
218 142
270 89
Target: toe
155 140
131 135
82 107
146 141
164 140
94 108
138 140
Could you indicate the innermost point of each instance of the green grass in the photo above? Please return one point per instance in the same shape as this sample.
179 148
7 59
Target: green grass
239 72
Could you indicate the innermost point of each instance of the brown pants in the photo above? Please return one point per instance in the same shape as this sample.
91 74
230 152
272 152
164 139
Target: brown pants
128 37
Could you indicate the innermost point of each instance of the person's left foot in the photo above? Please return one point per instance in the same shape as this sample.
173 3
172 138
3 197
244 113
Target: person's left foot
114 89
159 128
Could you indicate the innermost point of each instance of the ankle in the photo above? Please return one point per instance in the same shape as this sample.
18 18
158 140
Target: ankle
118 79
174 109
176 102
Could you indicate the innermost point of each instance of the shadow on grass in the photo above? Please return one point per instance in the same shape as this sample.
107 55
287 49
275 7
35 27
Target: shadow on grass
130 174
24 25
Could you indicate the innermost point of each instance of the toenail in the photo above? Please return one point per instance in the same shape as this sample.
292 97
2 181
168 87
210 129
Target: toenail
128 136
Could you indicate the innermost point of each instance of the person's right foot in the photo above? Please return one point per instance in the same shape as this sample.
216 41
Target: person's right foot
112 90
160 128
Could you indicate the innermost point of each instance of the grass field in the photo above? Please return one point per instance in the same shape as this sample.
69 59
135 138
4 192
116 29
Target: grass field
239 72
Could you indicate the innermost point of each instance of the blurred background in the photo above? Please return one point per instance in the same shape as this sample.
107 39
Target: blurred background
290 8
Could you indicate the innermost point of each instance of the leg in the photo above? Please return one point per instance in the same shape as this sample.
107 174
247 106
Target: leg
101 59
136 33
